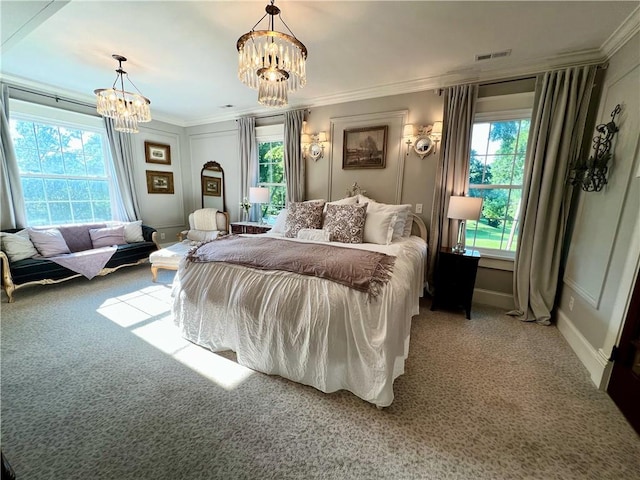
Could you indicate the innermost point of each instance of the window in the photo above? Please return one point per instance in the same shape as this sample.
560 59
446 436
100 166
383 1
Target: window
498 149
271 167
64 165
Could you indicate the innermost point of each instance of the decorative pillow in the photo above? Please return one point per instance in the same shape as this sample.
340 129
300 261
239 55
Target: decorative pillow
401 211
49 242
378 227
407 225
343 201
17 245
132 230
345 223
317 235
105 237
303 215
281 221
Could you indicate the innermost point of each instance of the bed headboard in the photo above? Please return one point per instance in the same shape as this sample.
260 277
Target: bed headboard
418 228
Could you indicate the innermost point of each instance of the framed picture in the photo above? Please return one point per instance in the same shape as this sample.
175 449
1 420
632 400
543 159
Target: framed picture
157 153
159 182
365 148
211 186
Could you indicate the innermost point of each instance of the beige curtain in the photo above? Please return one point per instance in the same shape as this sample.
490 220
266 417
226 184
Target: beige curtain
293 160
248 158
555 138
13 213
452 173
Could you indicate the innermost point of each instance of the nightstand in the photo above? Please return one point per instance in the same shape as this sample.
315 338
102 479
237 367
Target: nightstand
455 279
249 227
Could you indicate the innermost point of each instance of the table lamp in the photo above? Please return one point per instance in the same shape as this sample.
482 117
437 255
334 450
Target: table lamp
463 208
259 195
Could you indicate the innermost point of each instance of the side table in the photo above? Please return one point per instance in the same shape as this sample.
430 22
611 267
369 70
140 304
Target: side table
455 279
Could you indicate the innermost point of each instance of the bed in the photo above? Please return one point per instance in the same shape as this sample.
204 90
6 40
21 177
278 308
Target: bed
305 328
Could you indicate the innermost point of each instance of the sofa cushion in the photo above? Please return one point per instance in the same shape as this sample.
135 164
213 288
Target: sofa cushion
105 237
48 242
17 245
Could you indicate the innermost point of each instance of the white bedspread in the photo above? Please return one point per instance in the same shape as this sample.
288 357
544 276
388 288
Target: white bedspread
306 329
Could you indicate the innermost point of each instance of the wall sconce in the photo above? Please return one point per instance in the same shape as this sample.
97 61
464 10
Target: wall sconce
407 134
313 145
426 141
591 174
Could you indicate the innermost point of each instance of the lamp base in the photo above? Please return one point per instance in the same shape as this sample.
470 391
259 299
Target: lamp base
458 248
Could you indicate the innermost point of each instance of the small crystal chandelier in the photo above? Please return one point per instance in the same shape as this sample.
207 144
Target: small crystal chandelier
126 108
274 63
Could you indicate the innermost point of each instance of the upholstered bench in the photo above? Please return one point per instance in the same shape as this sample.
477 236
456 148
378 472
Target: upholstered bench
168 257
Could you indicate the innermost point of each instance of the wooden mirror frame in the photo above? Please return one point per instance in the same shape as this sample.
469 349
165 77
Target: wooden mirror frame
214 167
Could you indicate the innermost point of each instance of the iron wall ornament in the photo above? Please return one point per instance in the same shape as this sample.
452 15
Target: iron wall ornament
591 174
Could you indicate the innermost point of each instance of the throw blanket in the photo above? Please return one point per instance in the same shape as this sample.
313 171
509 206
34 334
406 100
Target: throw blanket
359 269
205 219
88 262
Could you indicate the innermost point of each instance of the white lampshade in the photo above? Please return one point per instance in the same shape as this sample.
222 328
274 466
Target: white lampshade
259 195
464 208
436 129
305 138
322 137
408 130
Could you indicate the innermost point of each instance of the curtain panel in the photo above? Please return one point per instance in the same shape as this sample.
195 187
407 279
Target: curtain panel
452 172
12 210
121 147
294 167
555 140
248 158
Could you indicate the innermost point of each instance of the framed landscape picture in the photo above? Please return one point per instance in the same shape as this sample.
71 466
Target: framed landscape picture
157 153
365 148
211 186
159 182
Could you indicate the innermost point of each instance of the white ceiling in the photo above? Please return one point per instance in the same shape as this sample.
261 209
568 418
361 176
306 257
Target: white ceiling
182 55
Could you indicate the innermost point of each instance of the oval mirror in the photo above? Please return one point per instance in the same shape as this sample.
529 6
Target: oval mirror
212 184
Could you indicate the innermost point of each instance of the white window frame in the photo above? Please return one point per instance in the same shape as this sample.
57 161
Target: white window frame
265 134
498 116
31 112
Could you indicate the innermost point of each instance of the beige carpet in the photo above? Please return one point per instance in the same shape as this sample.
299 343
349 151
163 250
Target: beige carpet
96 385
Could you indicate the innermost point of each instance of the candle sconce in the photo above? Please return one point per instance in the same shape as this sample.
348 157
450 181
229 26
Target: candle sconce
591 174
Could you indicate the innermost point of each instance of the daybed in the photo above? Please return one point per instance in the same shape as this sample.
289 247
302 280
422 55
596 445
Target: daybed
311 329
101 248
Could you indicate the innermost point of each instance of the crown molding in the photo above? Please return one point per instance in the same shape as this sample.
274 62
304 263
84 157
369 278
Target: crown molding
622 34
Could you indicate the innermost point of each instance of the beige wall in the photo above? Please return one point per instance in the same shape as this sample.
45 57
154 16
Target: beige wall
604 249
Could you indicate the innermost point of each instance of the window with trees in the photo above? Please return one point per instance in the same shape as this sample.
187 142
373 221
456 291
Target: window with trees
271 167
64 169
498 150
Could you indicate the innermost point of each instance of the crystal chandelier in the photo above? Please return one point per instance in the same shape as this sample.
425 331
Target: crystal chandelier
274 63
127 109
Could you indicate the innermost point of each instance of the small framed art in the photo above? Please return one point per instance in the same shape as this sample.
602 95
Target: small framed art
211 186
159 182
157 153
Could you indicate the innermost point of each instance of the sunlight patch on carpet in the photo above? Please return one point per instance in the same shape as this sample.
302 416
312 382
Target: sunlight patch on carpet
153 304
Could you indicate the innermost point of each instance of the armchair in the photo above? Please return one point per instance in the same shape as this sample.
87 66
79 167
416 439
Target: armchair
205 224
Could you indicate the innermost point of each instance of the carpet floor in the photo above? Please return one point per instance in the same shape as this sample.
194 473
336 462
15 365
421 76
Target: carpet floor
97 384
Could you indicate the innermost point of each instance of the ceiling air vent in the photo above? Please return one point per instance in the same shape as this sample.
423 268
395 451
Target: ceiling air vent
488 56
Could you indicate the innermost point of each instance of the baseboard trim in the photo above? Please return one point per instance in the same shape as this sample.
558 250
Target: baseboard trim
594 361
493 298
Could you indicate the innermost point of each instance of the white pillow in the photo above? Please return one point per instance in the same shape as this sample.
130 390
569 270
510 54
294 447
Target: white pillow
49 242
132 230
363 199
407 225
106 237
378 227
343 201
17 245
281 221
316 234
401 211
